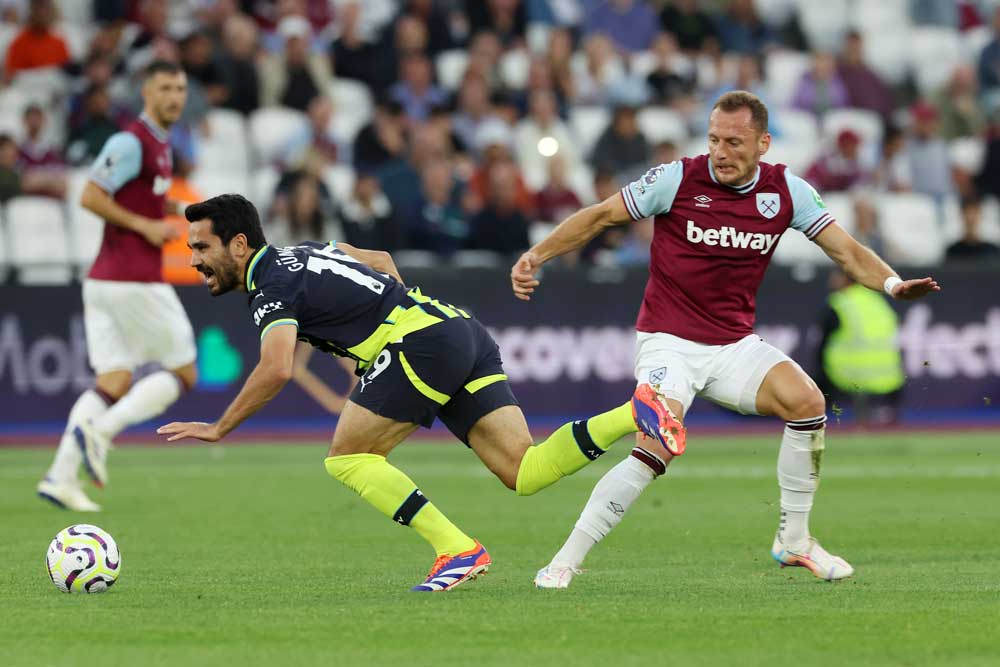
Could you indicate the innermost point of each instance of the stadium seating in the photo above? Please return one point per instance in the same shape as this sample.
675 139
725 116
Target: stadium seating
415 259
952 228
225 147
884 15
887 52
211 182
866 123
39 246
263 182
797 155
85 229
909 225
352 108
936 52
271 128
514 67
589 122
661 124
450 67
799 127
478 259
339 178
824 23
782 71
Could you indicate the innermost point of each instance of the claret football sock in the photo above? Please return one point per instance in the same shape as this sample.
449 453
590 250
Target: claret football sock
68 458
146 399
391 492
798 475
571 447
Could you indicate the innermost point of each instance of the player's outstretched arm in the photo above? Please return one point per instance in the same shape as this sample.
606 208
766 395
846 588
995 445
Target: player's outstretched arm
273 371
379 260
867 268
572 233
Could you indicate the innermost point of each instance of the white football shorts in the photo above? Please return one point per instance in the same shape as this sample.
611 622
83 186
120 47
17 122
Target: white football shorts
729 375
129 324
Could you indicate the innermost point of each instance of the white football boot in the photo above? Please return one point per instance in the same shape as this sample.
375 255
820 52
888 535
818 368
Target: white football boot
555 576
67 495
95 446
812 556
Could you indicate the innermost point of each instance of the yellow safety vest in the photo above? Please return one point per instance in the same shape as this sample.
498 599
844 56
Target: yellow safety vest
862 355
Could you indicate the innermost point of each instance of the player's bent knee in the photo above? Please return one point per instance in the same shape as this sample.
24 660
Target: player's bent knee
810 404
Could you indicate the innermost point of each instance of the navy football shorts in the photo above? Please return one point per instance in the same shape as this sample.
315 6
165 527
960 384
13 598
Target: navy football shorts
451 370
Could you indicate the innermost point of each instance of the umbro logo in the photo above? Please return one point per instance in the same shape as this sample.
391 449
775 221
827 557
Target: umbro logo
702 201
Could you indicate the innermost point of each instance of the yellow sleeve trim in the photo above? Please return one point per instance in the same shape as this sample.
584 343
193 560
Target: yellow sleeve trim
419 384
482 382
278 323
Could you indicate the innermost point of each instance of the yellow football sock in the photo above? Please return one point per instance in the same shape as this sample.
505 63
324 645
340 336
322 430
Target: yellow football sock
571 447
391 492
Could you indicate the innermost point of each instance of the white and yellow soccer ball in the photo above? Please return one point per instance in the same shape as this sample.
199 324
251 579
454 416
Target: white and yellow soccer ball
83 559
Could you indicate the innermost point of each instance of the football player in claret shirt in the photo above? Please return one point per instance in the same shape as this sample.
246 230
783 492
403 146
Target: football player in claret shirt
130 316
717 219
418 359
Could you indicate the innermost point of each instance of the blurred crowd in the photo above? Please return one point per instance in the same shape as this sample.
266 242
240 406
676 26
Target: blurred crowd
468 127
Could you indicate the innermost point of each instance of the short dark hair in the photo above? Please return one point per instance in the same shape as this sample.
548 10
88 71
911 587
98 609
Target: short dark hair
160 66
230 215
742 99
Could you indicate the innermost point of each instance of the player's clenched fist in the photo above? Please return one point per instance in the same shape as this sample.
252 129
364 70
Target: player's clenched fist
522 276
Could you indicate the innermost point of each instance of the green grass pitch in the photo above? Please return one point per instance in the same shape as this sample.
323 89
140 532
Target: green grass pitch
252 555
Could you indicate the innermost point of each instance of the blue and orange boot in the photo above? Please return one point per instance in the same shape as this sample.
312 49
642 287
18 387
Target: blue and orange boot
657 420
448 572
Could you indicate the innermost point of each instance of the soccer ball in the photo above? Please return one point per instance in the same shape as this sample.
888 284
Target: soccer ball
83 559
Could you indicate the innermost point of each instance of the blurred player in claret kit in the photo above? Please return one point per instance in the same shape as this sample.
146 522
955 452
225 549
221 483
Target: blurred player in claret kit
417 359
717 219
131 317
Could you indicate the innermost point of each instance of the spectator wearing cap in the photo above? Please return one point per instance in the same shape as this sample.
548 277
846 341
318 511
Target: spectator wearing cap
415 91
820 89
622 150
501 226
865 89
930 164
841 169
631 24
37 45
239 64
295 76
693 28
971 246
543 135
